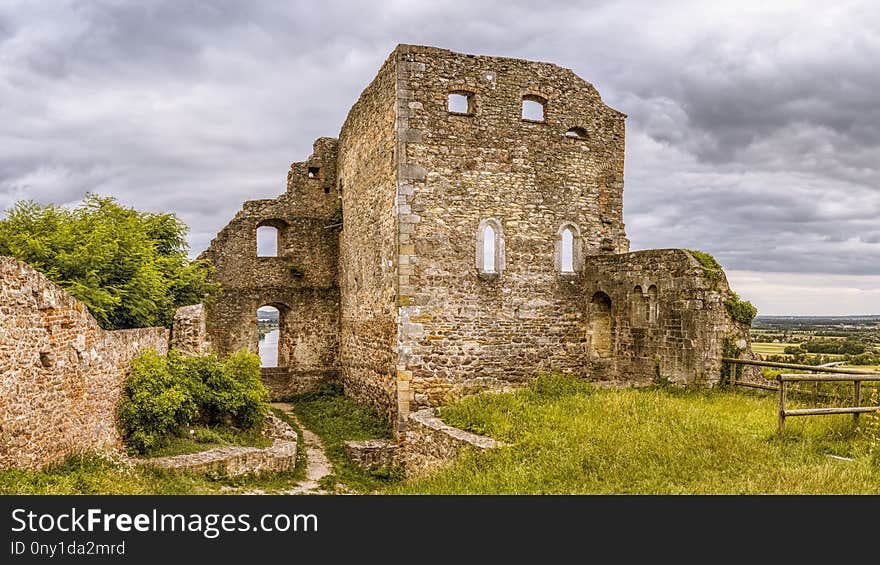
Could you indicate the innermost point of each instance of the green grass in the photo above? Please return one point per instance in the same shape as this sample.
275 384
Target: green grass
336 419
204 438
104 474
566 437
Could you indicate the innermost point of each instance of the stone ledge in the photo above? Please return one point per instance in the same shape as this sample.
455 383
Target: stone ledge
431 443
232 461
374 454
237 460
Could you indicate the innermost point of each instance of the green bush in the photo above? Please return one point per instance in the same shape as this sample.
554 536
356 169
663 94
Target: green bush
740 310
163 394
155 403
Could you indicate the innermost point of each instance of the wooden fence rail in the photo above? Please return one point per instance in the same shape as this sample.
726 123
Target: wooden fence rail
856 376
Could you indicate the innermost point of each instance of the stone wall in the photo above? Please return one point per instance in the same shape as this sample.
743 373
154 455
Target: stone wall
367 257
460 330
61 375
284 383
667 318
431 444
188 331
235 461
301 281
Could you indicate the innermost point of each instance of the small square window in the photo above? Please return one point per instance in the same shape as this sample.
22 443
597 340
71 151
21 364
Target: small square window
460 102
533 108
314 172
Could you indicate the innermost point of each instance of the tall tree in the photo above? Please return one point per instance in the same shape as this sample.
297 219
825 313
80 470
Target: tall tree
129 267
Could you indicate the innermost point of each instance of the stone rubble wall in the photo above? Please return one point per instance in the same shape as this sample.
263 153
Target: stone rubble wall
284 383
430 443
374 454
188 331
301 281
682 341
367 172
237 461
457 330
61 375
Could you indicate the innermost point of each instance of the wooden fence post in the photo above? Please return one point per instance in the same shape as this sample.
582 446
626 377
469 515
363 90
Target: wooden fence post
781 428
857 394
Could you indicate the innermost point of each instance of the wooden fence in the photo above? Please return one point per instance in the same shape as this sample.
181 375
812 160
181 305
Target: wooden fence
832 374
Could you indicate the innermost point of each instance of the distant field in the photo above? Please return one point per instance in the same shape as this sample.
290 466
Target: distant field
770 348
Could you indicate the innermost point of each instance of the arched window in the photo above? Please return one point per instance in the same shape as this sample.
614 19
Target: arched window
490 248
533 108
639 307
653 305
568 256
567 251
460 102
600 325
269 332
267 241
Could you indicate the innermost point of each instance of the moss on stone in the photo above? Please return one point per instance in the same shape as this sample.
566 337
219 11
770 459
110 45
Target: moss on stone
712 270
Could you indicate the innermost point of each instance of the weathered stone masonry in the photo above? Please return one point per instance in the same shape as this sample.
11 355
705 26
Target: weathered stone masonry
301 281
61 375
477 246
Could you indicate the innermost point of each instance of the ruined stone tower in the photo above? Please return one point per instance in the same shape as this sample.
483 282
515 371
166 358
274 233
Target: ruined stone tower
481 240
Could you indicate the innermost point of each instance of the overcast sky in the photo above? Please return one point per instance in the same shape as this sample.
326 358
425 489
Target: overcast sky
753 129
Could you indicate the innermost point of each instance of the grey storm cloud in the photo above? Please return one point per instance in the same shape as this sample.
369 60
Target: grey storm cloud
753 128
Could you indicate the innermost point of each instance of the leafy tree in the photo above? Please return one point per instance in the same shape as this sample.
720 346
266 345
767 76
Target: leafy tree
130 268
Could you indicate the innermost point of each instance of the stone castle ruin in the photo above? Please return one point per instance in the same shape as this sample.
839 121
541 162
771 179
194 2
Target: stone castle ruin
464 231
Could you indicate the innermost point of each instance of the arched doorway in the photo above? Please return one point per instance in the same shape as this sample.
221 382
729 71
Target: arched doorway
600 325
269 335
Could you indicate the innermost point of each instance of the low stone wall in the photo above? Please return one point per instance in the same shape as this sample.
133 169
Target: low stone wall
374 454
61 375
431 444
284 383
236 461
233 461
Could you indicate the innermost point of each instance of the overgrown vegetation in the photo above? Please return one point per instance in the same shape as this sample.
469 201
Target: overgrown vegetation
711 268
568 437
166 396
335 419
130 268
740 310
336 216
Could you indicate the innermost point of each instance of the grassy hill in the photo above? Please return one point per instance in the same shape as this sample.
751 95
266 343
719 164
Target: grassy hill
566 437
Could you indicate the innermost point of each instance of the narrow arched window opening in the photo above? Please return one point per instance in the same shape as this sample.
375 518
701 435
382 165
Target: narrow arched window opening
267 241
567 257
576 133
489 265
490 248
269 334
653 305
639 313
533 108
